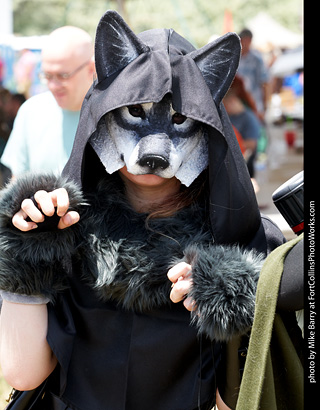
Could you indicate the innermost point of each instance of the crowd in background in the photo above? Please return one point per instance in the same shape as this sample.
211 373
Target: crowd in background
246 101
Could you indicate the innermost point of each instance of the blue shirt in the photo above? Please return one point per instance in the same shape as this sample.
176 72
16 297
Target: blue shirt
254 73
247 124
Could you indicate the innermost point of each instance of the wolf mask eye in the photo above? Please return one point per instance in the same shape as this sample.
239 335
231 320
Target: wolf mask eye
136 111
178 118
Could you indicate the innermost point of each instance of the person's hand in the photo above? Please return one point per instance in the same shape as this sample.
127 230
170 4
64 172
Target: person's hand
181 277
47 202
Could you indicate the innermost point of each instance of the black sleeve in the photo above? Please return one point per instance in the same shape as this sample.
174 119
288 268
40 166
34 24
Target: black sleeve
291 295
267 238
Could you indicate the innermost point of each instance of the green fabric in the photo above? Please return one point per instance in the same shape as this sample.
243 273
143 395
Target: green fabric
271 366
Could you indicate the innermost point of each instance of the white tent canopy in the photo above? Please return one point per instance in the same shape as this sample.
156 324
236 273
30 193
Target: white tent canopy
19 43
288 63
269 34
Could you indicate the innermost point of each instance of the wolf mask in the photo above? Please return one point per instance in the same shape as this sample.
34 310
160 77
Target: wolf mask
152 137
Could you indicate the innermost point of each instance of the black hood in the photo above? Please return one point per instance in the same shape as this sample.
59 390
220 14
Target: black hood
134 69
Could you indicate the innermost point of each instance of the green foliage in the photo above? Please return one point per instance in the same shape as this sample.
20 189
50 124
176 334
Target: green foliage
37 17
195 19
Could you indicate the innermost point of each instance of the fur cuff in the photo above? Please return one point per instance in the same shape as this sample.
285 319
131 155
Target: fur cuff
32 263
224 288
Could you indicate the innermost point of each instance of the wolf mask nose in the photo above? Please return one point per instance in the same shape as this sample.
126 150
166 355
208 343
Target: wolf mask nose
154 162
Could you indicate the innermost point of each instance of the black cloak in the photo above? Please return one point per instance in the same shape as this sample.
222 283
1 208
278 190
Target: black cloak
120 350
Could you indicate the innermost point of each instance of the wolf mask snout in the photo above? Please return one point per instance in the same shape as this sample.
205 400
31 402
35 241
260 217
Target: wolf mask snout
154 152
154 162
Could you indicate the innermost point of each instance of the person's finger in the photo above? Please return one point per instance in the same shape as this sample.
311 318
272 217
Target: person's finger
180 290
44 202
69 219
32 211
19 221
60 200
181 269
190 304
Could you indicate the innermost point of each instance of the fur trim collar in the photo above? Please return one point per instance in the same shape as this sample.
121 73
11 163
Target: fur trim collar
132 257
131 261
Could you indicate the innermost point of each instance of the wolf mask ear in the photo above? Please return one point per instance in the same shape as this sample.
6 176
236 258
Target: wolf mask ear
218 62
115 46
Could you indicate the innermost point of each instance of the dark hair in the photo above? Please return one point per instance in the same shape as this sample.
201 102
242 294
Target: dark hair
245 33
19 98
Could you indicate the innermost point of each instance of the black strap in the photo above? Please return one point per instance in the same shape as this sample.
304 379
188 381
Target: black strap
27 400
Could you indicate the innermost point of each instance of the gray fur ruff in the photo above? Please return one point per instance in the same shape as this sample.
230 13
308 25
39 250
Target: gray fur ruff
127 262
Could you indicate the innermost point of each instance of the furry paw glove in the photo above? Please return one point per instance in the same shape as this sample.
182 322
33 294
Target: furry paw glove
32 263
224 287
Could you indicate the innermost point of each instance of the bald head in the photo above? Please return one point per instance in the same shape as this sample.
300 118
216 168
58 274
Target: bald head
68 40
67 61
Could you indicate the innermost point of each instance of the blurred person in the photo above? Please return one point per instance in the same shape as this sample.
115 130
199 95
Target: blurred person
45 126
5 97
9 106
12 108
245 96
1 70
243 115
253 71
295 82
24 70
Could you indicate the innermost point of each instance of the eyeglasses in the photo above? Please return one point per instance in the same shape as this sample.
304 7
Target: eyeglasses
44 76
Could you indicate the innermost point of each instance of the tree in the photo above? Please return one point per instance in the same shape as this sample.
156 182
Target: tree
197 20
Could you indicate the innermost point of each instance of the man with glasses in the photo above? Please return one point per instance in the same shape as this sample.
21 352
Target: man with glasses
45 126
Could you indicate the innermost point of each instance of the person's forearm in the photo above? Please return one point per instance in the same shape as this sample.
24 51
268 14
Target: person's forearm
26 357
